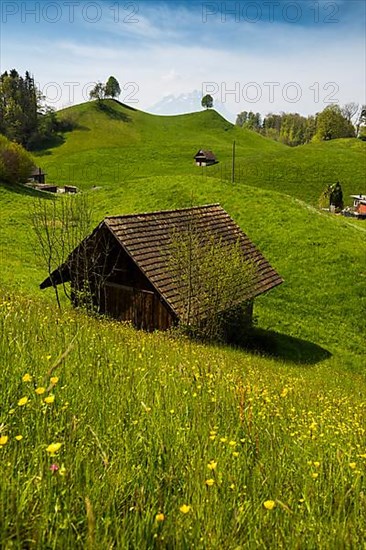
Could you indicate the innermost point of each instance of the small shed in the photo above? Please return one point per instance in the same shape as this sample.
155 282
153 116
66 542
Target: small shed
125 264
205 158
37 175
359 203
358 210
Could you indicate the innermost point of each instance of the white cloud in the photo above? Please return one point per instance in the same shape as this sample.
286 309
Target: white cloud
154 55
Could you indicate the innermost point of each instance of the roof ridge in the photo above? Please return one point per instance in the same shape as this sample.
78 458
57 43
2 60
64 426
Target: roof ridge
163 211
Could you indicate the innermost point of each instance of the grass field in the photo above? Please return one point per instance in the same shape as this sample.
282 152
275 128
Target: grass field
118 144
160 443
152 441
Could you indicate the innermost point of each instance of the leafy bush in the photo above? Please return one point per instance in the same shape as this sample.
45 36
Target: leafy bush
15 163
214 282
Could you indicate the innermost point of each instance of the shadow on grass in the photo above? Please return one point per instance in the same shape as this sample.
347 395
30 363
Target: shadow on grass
42 146
124 105
112 113
284 347
20 189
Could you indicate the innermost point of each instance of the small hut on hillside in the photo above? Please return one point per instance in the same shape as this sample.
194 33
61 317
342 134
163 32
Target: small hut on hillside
359 208
359 204
205 158
37 175
125 263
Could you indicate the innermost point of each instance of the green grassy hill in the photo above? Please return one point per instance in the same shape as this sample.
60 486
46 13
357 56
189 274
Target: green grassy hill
110 437
115 144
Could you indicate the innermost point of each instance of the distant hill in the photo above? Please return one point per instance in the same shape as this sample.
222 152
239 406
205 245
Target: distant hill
114 143
187 102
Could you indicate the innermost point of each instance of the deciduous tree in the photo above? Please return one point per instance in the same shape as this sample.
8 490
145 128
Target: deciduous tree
112 87
98 92
332 124
214 281
15 163
207 101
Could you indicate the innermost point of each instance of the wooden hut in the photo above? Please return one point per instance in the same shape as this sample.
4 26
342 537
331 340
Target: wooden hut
37 175
125 263
205 158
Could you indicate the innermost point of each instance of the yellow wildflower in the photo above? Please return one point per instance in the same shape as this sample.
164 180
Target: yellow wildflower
352 465
317 464
212 465
18 437
40 391
54 380
223 439
159 517
269 504
185 508
236 454
314 475
23 401
53 448
210 482
27 378
3 440
62 470
232 443
49 399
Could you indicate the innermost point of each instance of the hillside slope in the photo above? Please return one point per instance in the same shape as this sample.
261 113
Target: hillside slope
114 437
319 256
114 144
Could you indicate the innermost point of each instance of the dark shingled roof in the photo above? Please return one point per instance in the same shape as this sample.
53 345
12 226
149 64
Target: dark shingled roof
36 171
208 155
147 239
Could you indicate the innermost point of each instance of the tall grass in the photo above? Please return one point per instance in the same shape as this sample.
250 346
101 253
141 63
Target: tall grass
169 444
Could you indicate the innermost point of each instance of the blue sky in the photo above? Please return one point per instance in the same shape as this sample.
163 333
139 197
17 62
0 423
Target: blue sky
262 55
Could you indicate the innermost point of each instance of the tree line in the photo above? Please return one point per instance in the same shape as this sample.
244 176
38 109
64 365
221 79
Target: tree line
24 117
294 129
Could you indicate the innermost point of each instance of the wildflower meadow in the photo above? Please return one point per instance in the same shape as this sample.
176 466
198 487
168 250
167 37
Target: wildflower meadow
111 438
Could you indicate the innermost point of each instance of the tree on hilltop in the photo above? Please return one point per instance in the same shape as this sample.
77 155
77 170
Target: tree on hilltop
112 88
207 101
98 92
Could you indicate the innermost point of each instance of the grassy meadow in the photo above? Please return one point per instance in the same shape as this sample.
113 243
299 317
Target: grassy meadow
116 145
113 438
118 439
